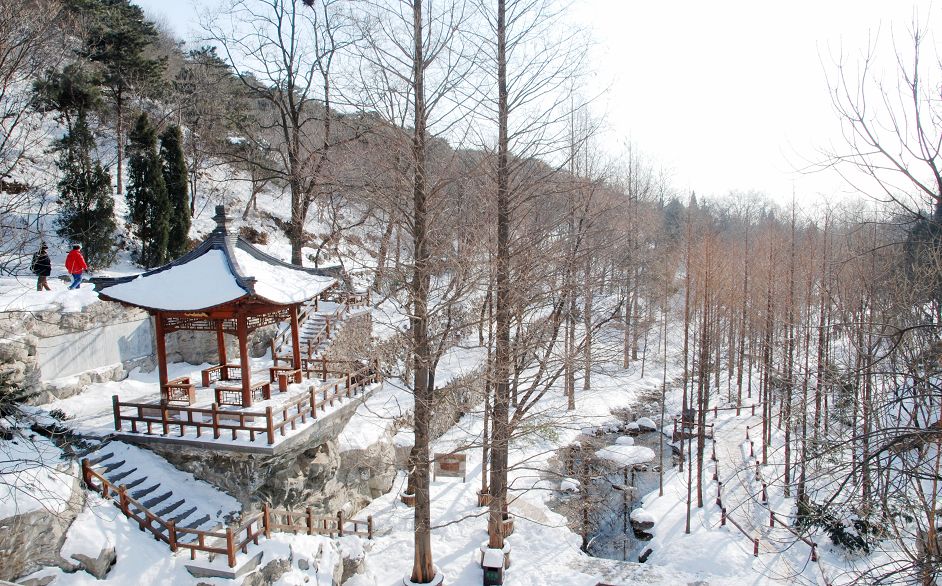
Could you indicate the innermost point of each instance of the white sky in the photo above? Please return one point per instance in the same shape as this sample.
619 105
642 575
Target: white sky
726 94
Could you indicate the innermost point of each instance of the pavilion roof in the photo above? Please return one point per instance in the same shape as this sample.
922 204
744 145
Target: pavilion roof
223 269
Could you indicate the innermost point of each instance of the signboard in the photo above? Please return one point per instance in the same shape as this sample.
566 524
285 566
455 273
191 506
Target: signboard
453 465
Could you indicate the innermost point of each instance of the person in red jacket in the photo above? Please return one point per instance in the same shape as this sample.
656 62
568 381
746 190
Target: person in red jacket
75 264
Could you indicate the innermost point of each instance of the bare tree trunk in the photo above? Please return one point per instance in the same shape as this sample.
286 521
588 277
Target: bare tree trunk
423 570
381 255
500 424
587 323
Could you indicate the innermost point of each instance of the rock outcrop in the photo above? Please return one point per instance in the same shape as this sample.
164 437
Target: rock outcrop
32 540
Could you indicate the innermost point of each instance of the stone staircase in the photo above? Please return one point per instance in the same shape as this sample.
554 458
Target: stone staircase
317 333
164 490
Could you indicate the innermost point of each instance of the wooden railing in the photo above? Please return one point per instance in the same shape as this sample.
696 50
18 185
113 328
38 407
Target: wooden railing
763 502
306 522
145 417
218 542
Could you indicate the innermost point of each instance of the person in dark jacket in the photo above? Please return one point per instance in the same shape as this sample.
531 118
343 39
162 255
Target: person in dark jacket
75 264
42 268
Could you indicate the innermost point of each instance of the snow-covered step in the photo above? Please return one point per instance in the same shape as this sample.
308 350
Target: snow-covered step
154 501
144 492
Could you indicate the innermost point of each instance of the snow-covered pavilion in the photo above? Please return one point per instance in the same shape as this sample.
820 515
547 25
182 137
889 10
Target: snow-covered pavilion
227 286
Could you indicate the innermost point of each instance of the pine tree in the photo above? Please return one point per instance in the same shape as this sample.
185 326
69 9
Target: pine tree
173 165
117 36
149 207
86 205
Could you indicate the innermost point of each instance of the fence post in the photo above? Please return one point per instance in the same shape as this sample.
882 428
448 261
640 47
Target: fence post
172 535
340 523
215 414
369 532
230 547
765 495
310 521
123 500
755 547
266 520
163 417
715 411
116 407
814 552
313 400
723 517
274 353
324 367
713 455
348 385
747 432
753 410
86 473
752 449
771 518
270 426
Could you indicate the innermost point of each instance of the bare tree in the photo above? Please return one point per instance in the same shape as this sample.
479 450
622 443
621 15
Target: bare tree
285 54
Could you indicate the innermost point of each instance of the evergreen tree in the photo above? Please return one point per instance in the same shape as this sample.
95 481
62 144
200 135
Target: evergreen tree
86 205
117 36
149 207
173 163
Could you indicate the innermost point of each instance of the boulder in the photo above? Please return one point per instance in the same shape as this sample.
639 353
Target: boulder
646 424
641 520
98 566
269 574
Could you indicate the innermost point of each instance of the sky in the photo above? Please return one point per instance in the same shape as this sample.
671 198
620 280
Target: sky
726 95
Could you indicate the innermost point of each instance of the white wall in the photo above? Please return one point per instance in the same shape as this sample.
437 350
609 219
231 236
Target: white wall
70 354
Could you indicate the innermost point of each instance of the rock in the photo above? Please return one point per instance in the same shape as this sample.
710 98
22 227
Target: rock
269 574
641 520
569 485
99 566
32 540
633 427
40 581
303 564
625 440
646 424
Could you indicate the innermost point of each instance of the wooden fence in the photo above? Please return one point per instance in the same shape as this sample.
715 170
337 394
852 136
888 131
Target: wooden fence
225 541
762 502
145 417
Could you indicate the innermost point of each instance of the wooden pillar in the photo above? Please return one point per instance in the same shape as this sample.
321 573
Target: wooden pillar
295 337
221 342
159 335
243 333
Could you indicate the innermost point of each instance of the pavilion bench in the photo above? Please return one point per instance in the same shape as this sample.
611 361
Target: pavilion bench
179 390
230 392
219 372
284 375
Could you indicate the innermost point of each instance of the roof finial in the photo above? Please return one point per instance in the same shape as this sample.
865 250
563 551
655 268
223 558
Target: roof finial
222 220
